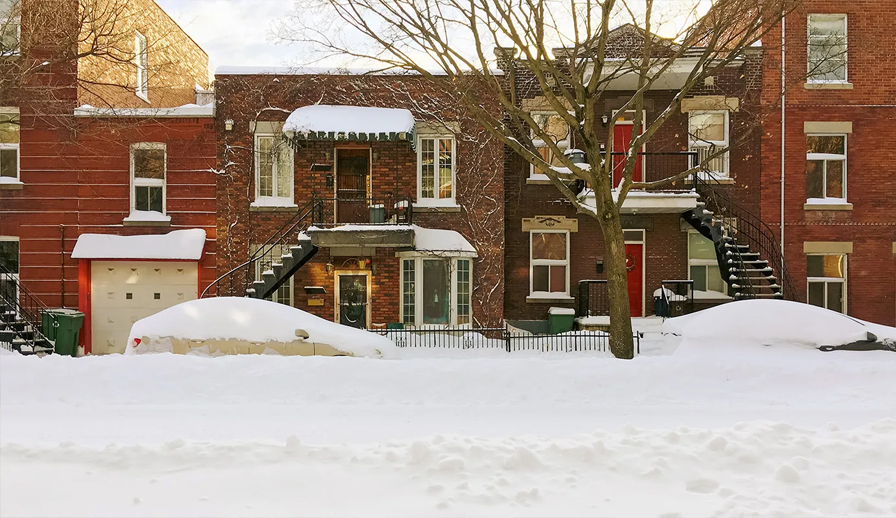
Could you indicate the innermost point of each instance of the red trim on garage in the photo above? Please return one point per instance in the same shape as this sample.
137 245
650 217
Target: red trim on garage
84 339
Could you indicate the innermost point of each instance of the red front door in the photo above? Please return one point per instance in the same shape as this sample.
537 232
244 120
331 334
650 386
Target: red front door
622 137
635 267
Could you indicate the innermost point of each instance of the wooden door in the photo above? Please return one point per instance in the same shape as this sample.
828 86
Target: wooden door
634 263
352 174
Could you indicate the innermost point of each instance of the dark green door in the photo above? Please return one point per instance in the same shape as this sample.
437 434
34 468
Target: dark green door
353 300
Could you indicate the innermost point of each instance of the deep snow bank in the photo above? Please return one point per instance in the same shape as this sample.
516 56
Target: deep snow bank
254 320
768 322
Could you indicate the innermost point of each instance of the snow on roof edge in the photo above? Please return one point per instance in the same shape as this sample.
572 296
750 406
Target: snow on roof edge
186 245
321 118
438 240
237 70
187 110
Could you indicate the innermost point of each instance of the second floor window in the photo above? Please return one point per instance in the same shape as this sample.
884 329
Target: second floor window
555 128
826 166
435 176
273 170
141 59
708 134
9 147
148 177
9 35
827 49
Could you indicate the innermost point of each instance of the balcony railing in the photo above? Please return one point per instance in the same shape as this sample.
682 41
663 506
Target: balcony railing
385 210
653 167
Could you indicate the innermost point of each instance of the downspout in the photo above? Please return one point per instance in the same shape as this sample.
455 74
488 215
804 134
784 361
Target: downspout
783 127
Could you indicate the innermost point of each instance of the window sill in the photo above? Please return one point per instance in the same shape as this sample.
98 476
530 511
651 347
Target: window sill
129 222
827 206
418 207
552 299
827 86
269 206
13 185
538 181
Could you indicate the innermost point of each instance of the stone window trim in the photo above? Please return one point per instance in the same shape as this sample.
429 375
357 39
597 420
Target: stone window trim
271 132
827 247
136 219
894 247
811 80
436 201
141 62
9 181
549 263
411 289
828 127
710 103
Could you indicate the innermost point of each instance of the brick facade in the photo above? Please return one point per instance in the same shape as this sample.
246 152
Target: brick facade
867 102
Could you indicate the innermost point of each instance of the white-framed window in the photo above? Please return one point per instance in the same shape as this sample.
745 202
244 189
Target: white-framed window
9 146
9 268
826 167
285 294
141 60
10 34
436 162
826 280
703 266
827 48
273 170
148 171
436 290
708 133
549 263
556 128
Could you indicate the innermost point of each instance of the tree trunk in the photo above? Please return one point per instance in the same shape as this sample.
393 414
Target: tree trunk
621 341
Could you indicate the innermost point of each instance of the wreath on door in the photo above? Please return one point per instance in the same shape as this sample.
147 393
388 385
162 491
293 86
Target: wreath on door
630 262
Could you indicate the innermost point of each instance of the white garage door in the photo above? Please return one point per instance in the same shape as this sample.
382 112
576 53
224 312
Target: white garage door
123 292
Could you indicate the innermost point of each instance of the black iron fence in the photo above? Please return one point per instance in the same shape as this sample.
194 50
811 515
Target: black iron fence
592 298
345 209
502 339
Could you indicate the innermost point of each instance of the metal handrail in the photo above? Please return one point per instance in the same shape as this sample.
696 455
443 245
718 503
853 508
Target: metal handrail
28 308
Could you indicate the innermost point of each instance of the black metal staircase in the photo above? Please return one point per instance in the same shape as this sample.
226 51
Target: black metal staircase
21 319
747 250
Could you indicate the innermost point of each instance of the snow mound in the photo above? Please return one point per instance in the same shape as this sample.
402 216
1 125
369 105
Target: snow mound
767 322
254 320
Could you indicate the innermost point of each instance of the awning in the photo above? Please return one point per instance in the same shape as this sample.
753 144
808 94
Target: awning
349 123
185 245
442 242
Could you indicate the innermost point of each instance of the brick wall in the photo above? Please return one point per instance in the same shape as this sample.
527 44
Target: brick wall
245 99
869 105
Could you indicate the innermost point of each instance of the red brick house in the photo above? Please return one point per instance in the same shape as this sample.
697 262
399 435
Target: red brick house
838 175
142 164
369 200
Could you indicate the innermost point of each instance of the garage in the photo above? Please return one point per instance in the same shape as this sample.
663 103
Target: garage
123 279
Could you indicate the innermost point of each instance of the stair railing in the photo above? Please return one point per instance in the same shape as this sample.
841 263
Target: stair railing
28 309
237 280
749 228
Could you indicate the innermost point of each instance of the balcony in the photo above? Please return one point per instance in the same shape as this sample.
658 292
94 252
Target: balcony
357 221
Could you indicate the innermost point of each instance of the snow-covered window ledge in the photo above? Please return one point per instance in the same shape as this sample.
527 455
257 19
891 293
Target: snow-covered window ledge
558 298
272 204
827 204
147 218
538 179
10 184
442 206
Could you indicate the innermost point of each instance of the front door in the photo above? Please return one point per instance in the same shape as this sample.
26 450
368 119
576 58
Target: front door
635 267
353 299
622 138
352 170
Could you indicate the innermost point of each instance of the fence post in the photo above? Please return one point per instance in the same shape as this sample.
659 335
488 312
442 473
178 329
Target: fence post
506 334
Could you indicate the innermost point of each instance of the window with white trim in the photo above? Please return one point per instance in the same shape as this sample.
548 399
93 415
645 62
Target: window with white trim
556 128
703 266
826 280
148 171
285 293
435 169
141 60
826 167
707 134
436 290
10 34
549 263
273 170
9 268
9 147
827 49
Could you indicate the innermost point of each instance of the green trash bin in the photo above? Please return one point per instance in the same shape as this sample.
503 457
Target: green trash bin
65 330
561 320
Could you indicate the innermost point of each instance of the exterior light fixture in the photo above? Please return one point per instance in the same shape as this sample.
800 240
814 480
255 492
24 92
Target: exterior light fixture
329 268
228 125
604 119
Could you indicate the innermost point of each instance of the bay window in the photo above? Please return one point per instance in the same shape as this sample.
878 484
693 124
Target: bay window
549 263
436 290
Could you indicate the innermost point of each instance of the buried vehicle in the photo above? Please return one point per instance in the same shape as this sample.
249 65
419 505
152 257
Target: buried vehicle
242 325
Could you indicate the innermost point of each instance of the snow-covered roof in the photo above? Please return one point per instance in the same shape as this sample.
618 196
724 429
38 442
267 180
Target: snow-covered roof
187 110
436 240
226 70
179 244
362 123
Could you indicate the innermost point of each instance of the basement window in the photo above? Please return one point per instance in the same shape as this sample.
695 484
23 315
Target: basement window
703 267
826 280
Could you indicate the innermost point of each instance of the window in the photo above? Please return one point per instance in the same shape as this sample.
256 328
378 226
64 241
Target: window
549 263
703 266
9 268
273 170
827 50
826 166
557 129
708 133
141 59
284 294
9 147
10 33
148 177
436 291
826 276
435 171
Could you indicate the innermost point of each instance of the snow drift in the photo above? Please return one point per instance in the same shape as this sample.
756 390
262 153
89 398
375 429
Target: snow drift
252 320
768 322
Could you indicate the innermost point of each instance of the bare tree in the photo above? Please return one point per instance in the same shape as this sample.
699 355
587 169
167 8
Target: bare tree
566 47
